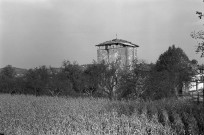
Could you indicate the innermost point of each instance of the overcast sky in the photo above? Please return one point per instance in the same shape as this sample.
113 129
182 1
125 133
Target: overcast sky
46 32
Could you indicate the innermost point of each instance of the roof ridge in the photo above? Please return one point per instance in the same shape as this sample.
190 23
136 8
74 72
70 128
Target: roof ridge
122 41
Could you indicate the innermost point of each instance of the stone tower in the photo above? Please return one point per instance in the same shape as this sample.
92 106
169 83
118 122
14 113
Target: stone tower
115 49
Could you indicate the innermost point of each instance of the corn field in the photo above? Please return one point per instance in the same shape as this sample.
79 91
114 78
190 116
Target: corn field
30 115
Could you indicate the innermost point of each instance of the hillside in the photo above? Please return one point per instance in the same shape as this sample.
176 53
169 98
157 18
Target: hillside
18 70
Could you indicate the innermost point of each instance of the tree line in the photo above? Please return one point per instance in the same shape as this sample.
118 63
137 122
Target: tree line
163 79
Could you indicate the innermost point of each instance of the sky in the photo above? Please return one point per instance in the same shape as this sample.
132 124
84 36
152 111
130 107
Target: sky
47 32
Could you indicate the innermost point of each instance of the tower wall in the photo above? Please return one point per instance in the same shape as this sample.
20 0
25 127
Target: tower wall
111 53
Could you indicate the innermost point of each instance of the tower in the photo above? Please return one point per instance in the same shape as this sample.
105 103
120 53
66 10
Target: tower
112 50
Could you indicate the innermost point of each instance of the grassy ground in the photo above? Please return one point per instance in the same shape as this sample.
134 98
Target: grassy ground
29 115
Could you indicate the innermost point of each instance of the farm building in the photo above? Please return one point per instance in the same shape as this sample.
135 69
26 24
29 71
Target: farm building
117 49
196 85
197 80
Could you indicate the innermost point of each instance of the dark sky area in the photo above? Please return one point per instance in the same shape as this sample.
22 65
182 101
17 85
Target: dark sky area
46 32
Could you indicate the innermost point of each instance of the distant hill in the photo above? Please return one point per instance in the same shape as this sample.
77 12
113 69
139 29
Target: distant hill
19 71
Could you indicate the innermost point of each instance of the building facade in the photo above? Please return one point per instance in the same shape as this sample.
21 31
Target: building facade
117 49
196 85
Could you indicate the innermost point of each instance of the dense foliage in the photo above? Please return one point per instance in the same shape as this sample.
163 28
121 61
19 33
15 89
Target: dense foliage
97 79
7 79
172 70
132 82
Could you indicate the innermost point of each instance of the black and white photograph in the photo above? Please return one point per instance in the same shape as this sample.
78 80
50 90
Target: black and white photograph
101 67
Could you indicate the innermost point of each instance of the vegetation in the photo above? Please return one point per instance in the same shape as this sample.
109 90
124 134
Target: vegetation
30 115
141 80
103 78
101 98
133 81
199 36
7 79
172 69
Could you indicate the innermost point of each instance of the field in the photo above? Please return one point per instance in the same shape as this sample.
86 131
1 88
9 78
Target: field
30 115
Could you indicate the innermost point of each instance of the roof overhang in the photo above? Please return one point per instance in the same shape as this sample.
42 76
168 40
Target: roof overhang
117 42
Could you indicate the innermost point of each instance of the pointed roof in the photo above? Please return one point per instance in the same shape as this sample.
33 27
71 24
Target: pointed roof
117 41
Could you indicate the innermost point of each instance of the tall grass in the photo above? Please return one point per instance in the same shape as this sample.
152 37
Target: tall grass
29 115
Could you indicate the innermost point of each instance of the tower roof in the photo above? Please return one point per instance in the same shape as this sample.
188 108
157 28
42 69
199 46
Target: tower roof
118 42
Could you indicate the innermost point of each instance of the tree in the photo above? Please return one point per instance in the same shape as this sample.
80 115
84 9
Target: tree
104 77
158 85
194 62
92 79
177 65
74 74
47 81
37 79
59 84
20 85
172 69
132 80
199 36
7 79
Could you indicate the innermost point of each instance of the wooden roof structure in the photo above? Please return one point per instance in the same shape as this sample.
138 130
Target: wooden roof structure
118 42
